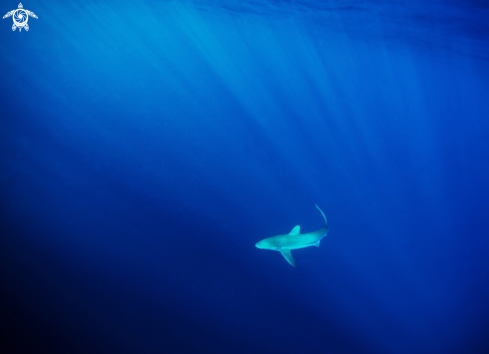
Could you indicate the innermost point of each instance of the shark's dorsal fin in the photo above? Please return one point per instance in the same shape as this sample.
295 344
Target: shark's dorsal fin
296 230
288 256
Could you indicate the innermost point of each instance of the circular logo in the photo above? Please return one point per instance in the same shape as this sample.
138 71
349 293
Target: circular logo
20 17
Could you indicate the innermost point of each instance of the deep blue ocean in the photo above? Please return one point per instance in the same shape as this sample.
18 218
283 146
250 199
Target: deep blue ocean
147 146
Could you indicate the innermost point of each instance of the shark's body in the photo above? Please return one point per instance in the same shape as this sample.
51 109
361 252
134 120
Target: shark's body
294 240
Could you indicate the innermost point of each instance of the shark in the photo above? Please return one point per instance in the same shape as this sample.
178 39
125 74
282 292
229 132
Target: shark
294 240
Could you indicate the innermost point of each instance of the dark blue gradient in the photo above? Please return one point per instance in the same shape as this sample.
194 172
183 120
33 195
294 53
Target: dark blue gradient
145 147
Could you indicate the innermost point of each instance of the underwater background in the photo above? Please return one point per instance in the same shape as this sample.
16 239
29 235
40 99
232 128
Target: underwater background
146 146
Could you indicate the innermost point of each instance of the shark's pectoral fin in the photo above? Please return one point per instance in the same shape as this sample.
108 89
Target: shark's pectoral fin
296 230
288 256
317 243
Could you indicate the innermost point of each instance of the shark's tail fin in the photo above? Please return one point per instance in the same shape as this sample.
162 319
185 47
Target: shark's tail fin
324 216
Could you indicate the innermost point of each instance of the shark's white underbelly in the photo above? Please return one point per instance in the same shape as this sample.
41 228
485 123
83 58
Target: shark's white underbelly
297 244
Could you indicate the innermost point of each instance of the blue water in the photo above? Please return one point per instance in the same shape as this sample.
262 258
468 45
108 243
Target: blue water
145 147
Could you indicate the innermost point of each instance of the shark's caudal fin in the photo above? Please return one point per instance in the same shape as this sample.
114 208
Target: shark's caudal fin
288 256
324 216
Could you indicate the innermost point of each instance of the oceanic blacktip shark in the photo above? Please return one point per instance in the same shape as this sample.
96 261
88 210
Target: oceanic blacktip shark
294 240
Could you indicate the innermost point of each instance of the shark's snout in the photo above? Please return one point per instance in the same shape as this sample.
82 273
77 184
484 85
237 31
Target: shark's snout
259 245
